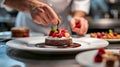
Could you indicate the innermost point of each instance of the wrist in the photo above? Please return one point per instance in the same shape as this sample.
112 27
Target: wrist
79 14
34 4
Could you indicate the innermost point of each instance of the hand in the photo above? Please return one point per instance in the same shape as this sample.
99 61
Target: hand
43 14
80 29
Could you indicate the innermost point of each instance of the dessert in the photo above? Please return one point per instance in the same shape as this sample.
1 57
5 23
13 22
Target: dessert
19 32
58 37
110 58
105 35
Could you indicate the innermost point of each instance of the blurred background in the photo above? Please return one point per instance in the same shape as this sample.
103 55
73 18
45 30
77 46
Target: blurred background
104 15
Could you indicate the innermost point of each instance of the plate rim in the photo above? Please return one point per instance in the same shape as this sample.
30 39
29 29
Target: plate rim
82 63
59 50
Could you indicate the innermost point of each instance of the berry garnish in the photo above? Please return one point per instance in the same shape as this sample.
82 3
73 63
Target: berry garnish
53 29
101 51
98 58
77 25
64 31
26 35
59 33
54 35
115 34
99 35
51 33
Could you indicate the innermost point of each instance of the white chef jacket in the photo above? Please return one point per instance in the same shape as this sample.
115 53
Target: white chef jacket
61 7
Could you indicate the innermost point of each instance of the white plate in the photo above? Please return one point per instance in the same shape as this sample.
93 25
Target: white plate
110 40
87 58
86 43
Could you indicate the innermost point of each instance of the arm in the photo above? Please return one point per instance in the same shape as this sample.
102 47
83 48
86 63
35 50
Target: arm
80 7
41 13
78 23
22 5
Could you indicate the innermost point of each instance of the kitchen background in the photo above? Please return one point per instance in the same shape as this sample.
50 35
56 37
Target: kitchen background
104 15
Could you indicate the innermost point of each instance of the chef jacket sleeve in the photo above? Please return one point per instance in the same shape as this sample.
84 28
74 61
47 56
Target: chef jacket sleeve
2 5
81 5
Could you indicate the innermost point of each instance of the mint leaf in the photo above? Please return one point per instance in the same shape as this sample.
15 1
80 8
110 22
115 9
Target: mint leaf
53 29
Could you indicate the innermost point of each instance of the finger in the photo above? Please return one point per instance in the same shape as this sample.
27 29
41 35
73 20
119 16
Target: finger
44 17
44 22
52 14
38 20
47 13
86 26
82 28
72 23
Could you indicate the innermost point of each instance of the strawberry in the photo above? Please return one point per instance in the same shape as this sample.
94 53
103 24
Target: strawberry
101 51
115 34
60 35
54 34
64 31
77 25
98 58
63 34
51 32
99 35
26 35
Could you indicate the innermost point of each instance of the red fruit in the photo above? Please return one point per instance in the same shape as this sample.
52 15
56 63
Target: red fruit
99 35
115 34
63 34
51 33
101 51
54 35
77 25
98 58
60 35
26 35
103 33
64 31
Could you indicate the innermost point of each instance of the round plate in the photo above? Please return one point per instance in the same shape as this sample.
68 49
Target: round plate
87 58
110 40
86 43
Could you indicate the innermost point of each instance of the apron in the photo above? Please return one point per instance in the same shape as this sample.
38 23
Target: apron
61 7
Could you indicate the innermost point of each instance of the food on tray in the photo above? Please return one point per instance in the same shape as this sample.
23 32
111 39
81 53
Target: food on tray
19 32
59 38
105 35
110 58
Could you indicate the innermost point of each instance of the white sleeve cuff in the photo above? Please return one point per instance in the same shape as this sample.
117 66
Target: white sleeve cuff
6 7
81 5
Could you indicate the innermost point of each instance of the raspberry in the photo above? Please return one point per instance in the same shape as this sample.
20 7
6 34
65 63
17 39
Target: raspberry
64 31
77 25
98 58
51 33
101 51
60 35
99 35
54 35
26 35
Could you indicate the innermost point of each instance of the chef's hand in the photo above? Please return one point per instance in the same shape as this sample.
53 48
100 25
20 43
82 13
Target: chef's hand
79 25
43 14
